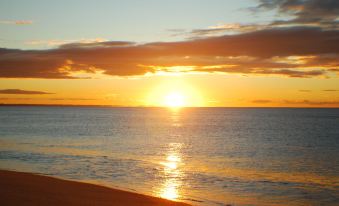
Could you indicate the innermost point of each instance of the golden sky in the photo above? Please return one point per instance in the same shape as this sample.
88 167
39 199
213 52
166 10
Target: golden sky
285 58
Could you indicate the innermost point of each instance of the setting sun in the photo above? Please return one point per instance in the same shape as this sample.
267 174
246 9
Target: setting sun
174 93
175 99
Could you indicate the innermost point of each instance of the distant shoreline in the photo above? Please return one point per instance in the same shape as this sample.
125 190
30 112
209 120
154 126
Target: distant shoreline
120 106
21 188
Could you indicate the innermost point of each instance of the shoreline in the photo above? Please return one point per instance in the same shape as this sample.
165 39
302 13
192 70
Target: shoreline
21 188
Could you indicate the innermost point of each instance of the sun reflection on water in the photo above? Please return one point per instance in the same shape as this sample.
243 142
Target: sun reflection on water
172 182
175 117
170 188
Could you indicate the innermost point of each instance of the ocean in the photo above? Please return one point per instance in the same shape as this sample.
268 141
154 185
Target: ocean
202 156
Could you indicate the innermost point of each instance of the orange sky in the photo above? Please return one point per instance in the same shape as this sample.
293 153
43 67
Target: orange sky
292 61
200 89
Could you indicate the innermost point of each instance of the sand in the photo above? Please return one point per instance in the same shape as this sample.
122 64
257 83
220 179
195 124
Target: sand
19 188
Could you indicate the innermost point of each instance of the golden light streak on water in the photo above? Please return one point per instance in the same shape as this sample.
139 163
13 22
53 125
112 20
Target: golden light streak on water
170 188
171 185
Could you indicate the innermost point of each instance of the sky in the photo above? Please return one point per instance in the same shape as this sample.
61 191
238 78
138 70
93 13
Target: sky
224 53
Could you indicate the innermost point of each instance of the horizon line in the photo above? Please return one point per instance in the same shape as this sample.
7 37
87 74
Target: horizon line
121 106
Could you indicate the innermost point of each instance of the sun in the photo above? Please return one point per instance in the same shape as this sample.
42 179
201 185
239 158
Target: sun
174 94
175 99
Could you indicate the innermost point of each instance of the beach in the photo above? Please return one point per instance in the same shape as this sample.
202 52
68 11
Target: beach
19 188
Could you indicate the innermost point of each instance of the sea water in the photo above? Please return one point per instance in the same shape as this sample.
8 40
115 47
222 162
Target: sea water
202 156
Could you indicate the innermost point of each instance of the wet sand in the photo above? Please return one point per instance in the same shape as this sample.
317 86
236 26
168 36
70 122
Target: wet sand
19 188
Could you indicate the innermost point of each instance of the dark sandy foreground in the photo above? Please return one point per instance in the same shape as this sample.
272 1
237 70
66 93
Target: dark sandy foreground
18 188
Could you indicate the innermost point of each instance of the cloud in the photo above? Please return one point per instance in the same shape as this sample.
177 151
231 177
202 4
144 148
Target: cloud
310 102
314 13
268 71
58 42
221 29
323 13
8 98
71 99
325 90
261 101
331 90
17 22
19 91
297 102
293 52
52 99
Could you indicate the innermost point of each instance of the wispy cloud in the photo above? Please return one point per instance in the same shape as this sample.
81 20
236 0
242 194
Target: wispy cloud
20 91
261 101
331 90
311 102
51 99
304 90
71 99
16 22
304 102
324 90
58 42
220 29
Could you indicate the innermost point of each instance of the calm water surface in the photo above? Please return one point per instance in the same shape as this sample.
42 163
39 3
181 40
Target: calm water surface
203 156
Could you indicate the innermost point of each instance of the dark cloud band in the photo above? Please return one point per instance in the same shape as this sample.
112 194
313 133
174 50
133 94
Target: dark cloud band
19 91
266 52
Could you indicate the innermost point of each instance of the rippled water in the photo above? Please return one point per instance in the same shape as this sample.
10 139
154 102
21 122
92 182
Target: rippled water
203 156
